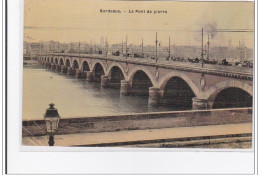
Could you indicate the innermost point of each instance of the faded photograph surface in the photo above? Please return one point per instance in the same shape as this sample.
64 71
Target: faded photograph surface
148 74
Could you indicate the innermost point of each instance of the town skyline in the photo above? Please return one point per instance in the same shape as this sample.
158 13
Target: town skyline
229 43
215 52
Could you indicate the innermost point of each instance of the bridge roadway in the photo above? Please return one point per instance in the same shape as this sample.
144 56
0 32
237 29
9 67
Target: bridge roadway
240 71
206 83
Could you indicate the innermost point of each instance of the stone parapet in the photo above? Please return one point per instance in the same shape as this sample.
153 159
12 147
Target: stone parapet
155 120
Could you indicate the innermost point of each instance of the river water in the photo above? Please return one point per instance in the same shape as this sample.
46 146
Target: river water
75 98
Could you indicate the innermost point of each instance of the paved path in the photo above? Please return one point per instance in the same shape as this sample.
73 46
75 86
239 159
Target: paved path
137 135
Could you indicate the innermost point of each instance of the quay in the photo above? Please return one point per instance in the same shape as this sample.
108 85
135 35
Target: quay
144 128
125 138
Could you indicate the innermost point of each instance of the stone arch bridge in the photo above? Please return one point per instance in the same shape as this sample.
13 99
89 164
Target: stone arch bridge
198 87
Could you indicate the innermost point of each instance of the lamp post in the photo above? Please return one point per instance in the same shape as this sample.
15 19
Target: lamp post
51 118
126 49
156 42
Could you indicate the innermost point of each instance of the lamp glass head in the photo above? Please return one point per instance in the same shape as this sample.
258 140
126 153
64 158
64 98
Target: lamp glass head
51 119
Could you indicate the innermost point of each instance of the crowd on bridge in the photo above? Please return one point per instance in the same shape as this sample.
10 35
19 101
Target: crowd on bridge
223 62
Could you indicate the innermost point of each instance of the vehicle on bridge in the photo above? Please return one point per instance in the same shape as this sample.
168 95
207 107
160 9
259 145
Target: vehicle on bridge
116 53
244 64
208 61
196 60
225 62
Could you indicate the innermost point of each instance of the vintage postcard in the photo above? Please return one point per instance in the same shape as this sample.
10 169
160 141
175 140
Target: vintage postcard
138 74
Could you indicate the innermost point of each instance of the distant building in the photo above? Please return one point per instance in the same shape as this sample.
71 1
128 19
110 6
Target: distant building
26 51
239 53
32 50
36 49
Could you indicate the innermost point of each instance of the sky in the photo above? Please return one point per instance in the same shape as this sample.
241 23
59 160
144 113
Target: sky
81 20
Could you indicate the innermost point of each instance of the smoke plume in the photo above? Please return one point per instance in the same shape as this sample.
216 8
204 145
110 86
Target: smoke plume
208 28
211 29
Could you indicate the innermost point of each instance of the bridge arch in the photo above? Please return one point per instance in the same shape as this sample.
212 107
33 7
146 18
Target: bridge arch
177 90
146 71
67 63
94 64
75 64
231 93
98 70
115 74
61 62
140 81
85 66
184 77
113 65
56 60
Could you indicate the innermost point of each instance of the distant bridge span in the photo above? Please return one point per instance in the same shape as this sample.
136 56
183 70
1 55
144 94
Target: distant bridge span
207 87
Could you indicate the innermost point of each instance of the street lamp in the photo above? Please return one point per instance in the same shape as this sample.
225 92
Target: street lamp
51 118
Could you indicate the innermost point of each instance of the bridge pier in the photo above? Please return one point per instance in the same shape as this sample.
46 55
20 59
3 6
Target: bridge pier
71 71
58 67
42 63
154 97
124 89
78 73
63 69
199 104
49 66
45 65
83 75
53 67
104 81
90 76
